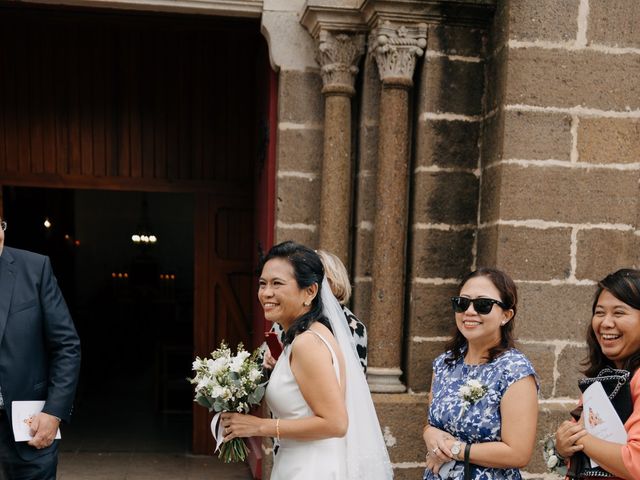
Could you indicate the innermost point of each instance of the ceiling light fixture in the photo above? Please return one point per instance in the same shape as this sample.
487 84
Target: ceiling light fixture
143 235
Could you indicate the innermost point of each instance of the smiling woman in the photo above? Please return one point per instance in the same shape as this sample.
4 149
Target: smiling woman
613 340
483 409
322 429
288 292
616 327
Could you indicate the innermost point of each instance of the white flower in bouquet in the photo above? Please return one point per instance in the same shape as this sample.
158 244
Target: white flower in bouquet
215 366
217 391
229 383
237 364
255 374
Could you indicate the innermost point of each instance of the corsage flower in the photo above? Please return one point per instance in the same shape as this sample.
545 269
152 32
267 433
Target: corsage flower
472 391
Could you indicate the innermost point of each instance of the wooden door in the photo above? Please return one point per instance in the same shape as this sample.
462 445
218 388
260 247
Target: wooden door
224 285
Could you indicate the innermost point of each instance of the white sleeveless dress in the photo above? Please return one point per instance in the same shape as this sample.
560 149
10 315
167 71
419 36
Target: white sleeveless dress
298 459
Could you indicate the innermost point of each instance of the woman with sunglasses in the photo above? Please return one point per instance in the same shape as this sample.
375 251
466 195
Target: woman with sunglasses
483 400
613 342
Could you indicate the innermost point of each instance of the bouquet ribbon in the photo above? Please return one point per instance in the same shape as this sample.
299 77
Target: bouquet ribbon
217 433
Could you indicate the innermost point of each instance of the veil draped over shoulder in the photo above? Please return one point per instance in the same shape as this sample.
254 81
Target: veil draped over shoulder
366 453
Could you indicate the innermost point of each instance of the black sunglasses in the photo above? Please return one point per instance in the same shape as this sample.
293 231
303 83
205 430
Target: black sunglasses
482 306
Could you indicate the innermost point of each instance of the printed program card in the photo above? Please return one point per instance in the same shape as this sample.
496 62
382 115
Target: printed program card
22 412
600 418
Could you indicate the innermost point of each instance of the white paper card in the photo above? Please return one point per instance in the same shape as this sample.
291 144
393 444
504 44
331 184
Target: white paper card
445 468
21 412
600 418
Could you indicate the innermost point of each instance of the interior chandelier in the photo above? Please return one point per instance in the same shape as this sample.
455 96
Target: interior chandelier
142 238
143 234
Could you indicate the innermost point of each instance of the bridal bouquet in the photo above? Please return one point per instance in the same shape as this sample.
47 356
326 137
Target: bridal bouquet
228 383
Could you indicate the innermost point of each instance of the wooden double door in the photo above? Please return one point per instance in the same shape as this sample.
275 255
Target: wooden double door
134 101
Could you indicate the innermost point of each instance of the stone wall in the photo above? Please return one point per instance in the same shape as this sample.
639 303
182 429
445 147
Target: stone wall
524 156
559 197
444 190
299 156
300 122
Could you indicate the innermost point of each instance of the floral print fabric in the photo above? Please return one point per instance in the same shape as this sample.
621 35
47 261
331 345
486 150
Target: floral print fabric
477 420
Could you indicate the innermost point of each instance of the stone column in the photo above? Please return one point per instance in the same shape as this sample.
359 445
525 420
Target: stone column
395 50
338 56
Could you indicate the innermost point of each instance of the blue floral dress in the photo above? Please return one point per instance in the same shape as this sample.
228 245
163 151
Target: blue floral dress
479 421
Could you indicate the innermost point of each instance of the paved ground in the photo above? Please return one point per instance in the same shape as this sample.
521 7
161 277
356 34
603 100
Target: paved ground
103 443
119 432
146 466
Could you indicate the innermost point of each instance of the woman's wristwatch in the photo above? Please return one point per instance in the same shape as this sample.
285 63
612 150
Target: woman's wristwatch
456 449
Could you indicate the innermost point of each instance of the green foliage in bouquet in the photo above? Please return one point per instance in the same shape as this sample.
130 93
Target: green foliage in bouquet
229 383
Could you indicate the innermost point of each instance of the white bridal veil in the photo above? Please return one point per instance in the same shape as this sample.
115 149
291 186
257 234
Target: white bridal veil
367 456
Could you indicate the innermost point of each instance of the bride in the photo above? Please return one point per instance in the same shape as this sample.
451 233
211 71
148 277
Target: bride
325 424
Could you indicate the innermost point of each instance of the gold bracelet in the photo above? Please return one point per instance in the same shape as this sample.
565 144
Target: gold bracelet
278 429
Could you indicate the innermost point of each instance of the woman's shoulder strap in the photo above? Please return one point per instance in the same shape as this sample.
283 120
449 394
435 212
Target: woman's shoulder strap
324 340
334 358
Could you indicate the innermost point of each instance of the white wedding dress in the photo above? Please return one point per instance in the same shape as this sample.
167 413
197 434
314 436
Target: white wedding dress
297 459
361 454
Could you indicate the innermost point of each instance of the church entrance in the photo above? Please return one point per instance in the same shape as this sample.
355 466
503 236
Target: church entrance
132 303
115 124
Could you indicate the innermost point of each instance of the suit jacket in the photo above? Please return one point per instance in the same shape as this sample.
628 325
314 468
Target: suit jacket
39 346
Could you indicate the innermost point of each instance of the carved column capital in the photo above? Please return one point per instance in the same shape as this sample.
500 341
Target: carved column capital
338 55
395 49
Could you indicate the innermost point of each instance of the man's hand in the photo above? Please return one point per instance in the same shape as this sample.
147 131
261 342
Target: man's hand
43 428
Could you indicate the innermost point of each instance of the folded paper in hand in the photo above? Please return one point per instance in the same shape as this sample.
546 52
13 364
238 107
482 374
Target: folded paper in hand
600 418
22 412
445 468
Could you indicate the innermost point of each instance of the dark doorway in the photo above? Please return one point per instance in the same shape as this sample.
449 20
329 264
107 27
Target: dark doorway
132 304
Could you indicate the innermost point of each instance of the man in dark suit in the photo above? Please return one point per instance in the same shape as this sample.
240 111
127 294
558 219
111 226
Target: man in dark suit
39 360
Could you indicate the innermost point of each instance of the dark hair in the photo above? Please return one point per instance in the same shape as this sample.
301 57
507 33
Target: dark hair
508 296
307 270
625 286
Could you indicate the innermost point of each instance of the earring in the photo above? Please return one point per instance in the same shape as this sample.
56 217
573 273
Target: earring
503 323
306 304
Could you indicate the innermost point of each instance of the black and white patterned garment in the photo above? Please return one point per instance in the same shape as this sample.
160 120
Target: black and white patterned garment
358 330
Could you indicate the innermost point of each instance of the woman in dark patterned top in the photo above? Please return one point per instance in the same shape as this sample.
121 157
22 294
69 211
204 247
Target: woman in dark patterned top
613 342
338 278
